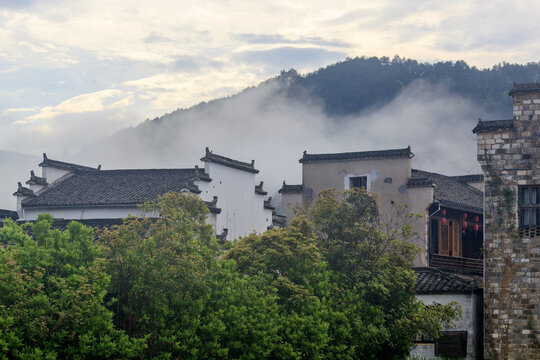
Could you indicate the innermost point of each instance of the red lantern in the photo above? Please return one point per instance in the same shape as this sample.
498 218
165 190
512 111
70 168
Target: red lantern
464 224
476 218
443 221
476 227
464 215
443 212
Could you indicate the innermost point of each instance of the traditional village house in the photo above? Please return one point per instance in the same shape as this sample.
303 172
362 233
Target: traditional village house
450 231
509 151
98 197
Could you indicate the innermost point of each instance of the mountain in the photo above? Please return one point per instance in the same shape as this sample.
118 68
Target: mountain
354 105
354 85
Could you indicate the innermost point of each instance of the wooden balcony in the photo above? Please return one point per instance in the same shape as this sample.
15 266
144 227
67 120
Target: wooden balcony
458 263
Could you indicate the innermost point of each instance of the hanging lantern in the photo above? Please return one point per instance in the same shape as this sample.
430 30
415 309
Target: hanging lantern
443 221
476 227
464 216
464 224
443 212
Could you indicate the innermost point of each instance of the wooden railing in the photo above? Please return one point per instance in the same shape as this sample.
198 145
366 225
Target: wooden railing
459 263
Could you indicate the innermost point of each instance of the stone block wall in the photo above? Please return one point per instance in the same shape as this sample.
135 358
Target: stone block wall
510 157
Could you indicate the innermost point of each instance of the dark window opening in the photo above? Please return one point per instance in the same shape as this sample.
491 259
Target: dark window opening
359 182
529 206
451 344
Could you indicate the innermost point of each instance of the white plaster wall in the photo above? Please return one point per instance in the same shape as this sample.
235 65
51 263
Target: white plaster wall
242 210
35 187
83 213
468 322
52 174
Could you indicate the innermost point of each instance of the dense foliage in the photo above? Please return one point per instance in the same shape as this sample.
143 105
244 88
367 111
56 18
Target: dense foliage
52 286
334 284
352 272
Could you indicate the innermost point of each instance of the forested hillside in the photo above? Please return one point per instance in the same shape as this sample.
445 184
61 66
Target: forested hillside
354 85
354 105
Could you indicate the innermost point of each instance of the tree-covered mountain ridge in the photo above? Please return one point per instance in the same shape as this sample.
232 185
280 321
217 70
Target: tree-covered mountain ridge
359 84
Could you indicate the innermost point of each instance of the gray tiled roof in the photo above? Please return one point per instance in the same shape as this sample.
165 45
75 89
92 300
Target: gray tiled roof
391 153
451 192
492 125
218 159
64 165
521 88
469 178
437 281
8 214
114 187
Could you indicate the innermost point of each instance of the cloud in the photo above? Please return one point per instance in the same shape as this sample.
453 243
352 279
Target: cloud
79 104
280 39
287 57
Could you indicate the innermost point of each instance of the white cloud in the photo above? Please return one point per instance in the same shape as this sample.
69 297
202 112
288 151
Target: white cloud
79 104
151 57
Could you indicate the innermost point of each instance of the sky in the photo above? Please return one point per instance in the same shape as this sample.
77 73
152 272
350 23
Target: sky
73 72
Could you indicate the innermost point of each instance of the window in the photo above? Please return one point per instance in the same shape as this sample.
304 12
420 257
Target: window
451 344
358 182
450 239
529 206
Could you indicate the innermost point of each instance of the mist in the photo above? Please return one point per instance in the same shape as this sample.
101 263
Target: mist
263 124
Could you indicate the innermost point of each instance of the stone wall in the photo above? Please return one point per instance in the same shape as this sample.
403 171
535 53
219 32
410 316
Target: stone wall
510 157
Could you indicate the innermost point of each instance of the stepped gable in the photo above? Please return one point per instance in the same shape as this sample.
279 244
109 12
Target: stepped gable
222 160
290 189
114 187
23 191
64 165
492 125
391 153
259 189
438 281
36 180
451 191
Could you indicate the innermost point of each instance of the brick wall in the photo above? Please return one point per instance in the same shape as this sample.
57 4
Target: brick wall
510 156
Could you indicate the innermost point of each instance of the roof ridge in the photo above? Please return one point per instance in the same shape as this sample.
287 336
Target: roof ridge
65 165
402 152
226 161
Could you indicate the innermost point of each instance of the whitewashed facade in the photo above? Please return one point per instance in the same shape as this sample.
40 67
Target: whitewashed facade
237 203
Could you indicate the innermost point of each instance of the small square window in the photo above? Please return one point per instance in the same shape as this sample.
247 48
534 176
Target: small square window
359 182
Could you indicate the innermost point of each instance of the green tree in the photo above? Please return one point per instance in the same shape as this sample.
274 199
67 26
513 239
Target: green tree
370 259
52 286
169 284
296 268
